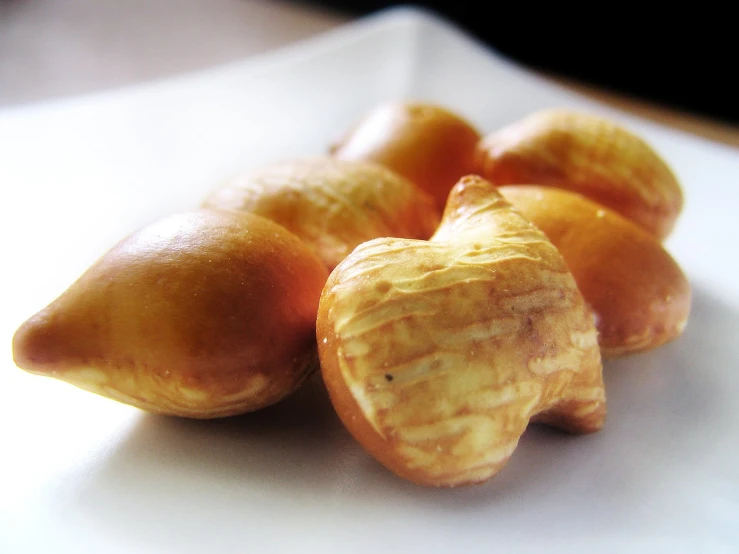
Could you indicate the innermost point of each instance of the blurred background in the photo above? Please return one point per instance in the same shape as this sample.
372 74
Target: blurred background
683 56
682 59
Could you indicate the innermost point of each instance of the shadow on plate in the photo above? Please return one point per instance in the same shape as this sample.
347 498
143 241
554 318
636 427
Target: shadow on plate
670 405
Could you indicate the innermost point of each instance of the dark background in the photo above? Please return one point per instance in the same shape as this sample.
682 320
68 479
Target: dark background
679 56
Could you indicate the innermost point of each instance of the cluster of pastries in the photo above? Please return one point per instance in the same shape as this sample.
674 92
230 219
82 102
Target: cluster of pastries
451 287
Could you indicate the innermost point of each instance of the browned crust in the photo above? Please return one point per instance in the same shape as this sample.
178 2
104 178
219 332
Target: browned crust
437 353
588 155
204 314
638 292
425 143
332 205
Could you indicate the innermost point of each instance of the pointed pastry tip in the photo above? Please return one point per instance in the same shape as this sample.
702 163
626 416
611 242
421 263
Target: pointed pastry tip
34 347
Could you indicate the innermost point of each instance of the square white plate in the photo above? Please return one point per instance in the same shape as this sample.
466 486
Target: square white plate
80 473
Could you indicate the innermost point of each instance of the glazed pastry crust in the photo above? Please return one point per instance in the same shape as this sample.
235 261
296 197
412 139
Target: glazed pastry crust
438 354
589 155
205 314
639 294
332 205
425 143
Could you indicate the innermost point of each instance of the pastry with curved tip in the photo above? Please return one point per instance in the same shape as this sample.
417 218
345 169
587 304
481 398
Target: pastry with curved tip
425 143
201 315
639 294
589 155
437 354
333 205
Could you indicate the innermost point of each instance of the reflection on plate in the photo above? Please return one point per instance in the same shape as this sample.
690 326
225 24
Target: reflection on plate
82 472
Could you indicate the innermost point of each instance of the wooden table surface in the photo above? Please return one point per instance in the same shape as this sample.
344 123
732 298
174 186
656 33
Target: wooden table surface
58 48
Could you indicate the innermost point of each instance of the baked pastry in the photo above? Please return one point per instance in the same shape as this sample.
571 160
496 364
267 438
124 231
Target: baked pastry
332 205
589 155
202 315
425 143
640 296
437 354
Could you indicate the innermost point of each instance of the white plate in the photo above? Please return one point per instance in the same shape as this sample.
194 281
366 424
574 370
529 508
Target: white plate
82 473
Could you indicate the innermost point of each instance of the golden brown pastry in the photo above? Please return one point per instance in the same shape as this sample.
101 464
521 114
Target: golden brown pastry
589 155
332 205
437 354
202 315
427 144
639 294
